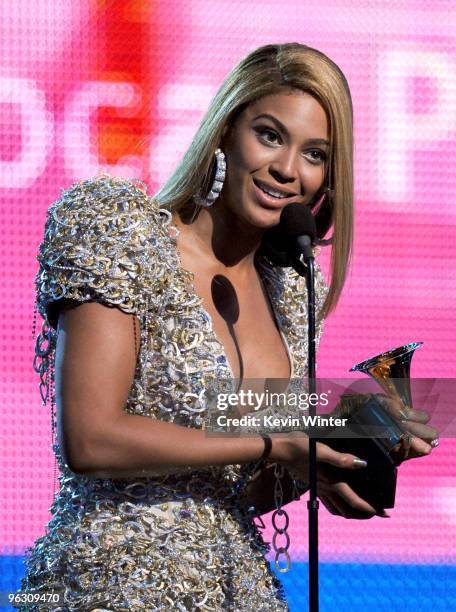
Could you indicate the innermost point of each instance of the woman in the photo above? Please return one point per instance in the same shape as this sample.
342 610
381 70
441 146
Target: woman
152 513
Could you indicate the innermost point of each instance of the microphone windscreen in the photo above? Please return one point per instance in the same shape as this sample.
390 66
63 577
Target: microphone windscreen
297 220
279 242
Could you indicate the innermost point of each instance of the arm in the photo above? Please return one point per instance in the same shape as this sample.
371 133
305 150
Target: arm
101 246
95 365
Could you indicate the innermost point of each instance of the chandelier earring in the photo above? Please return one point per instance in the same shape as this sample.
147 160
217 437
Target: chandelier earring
327 193
217 185
325 197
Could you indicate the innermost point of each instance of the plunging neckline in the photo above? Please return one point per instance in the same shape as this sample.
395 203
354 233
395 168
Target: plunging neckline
190 278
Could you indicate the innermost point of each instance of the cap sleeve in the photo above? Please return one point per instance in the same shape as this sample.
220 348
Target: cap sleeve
100 245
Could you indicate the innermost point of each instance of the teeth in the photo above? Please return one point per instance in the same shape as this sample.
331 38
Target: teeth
274 194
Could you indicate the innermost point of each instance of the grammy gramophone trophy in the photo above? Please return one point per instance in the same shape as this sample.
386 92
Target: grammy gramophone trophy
372 433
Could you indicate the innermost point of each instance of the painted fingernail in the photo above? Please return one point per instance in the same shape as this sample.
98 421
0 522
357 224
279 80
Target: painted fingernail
434 443
359 463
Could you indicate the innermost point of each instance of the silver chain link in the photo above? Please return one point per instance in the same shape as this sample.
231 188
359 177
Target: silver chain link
280 513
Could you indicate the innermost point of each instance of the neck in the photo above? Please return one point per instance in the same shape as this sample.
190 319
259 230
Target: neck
226 237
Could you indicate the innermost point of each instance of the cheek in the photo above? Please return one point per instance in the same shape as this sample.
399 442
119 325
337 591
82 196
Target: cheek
313 177
247 155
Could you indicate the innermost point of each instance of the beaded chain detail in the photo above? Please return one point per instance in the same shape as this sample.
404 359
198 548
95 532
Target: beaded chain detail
182 541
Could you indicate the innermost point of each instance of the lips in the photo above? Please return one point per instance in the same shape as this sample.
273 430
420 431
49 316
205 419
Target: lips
268 200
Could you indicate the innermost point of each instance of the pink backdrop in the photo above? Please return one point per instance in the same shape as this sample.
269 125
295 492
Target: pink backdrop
120 87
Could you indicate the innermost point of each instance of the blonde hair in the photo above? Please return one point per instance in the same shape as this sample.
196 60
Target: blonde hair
265 71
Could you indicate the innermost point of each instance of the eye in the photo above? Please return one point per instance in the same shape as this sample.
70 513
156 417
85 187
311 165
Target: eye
267 135
316 156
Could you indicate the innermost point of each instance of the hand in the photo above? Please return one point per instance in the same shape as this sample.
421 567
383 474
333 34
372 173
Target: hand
340 499
337 496
421 438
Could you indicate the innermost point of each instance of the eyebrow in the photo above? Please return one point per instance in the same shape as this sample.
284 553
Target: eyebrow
279 124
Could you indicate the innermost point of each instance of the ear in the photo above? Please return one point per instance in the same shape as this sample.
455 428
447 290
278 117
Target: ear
224 136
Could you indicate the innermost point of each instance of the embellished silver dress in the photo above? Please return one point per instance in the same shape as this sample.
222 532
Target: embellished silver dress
184 541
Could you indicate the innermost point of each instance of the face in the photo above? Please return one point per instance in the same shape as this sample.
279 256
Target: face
276 153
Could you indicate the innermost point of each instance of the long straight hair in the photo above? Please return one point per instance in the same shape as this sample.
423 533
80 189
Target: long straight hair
266 71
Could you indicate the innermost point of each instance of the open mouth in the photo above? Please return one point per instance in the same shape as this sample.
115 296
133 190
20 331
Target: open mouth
272 192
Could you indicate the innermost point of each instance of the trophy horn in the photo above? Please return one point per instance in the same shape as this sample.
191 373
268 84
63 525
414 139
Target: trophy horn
392 371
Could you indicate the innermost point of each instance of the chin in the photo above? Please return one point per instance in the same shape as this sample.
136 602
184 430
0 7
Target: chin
262 214
264 218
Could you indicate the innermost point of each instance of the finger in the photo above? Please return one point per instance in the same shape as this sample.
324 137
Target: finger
345 492
340 509
399 411
330 500
342 460
421 431
411 449
329 505
419 447
349 504
355 503
418 416
402 449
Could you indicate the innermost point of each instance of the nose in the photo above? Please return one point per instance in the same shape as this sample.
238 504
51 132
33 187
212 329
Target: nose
283 168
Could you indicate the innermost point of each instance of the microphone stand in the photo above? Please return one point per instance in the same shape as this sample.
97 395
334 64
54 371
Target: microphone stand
305 267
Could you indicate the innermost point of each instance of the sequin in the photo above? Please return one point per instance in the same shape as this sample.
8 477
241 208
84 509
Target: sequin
187 540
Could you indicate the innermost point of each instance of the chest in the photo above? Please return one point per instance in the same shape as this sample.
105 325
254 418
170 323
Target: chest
244 321
203 329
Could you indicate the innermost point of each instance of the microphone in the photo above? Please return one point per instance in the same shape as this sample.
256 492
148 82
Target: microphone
290 242
299 226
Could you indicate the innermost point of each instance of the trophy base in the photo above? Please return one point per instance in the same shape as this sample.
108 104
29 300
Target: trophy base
377 482
366 414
